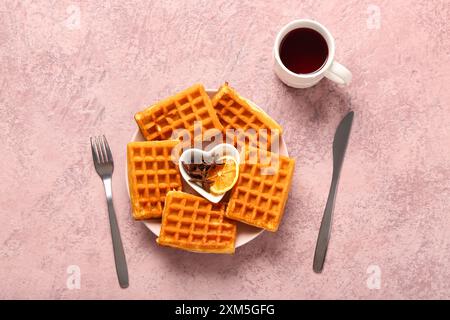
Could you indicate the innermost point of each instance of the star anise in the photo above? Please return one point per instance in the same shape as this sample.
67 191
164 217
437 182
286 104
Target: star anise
199 173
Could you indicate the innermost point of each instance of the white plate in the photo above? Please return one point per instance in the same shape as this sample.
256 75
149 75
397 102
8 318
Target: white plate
245 233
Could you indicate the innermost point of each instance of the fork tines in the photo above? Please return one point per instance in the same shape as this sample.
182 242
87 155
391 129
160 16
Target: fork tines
100 150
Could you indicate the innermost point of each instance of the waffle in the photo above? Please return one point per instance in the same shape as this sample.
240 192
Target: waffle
236 113
261 192
152 172
159 121
195 224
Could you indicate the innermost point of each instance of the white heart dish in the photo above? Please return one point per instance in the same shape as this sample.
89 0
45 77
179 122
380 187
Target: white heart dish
217 152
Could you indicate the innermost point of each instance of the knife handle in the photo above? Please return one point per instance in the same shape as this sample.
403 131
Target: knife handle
325 228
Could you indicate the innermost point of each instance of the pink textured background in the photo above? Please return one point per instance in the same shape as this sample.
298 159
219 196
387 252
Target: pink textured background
61 82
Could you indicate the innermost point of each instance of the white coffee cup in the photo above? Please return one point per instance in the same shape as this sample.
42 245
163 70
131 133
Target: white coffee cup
331 69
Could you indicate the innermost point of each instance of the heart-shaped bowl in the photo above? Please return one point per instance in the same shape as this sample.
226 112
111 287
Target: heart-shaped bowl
218 151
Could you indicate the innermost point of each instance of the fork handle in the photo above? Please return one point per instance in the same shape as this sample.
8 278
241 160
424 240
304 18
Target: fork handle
119 254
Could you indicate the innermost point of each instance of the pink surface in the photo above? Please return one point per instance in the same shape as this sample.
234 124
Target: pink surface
64 79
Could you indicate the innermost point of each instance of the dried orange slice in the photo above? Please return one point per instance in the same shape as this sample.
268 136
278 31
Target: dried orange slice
224 176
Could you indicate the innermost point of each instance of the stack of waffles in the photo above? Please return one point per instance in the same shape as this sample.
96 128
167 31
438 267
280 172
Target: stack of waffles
188 221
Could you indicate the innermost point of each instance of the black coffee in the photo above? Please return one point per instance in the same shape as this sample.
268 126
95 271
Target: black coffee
303 51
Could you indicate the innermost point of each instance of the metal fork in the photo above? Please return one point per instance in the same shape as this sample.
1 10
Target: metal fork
104 165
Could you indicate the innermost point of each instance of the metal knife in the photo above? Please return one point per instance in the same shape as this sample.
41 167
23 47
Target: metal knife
339 146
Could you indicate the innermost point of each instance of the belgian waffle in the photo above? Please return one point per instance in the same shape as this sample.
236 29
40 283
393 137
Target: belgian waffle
261 192
159 121
247 121
195 224
152 173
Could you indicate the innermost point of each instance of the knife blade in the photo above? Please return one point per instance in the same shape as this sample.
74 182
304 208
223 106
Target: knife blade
340 143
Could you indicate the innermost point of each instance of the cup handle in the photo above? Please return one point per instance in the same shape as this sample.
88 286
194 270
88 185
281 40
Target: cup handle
338 73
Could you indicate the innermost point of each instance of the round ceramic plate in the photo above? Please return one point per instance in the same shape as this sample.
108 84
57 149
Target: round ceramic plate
245 233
